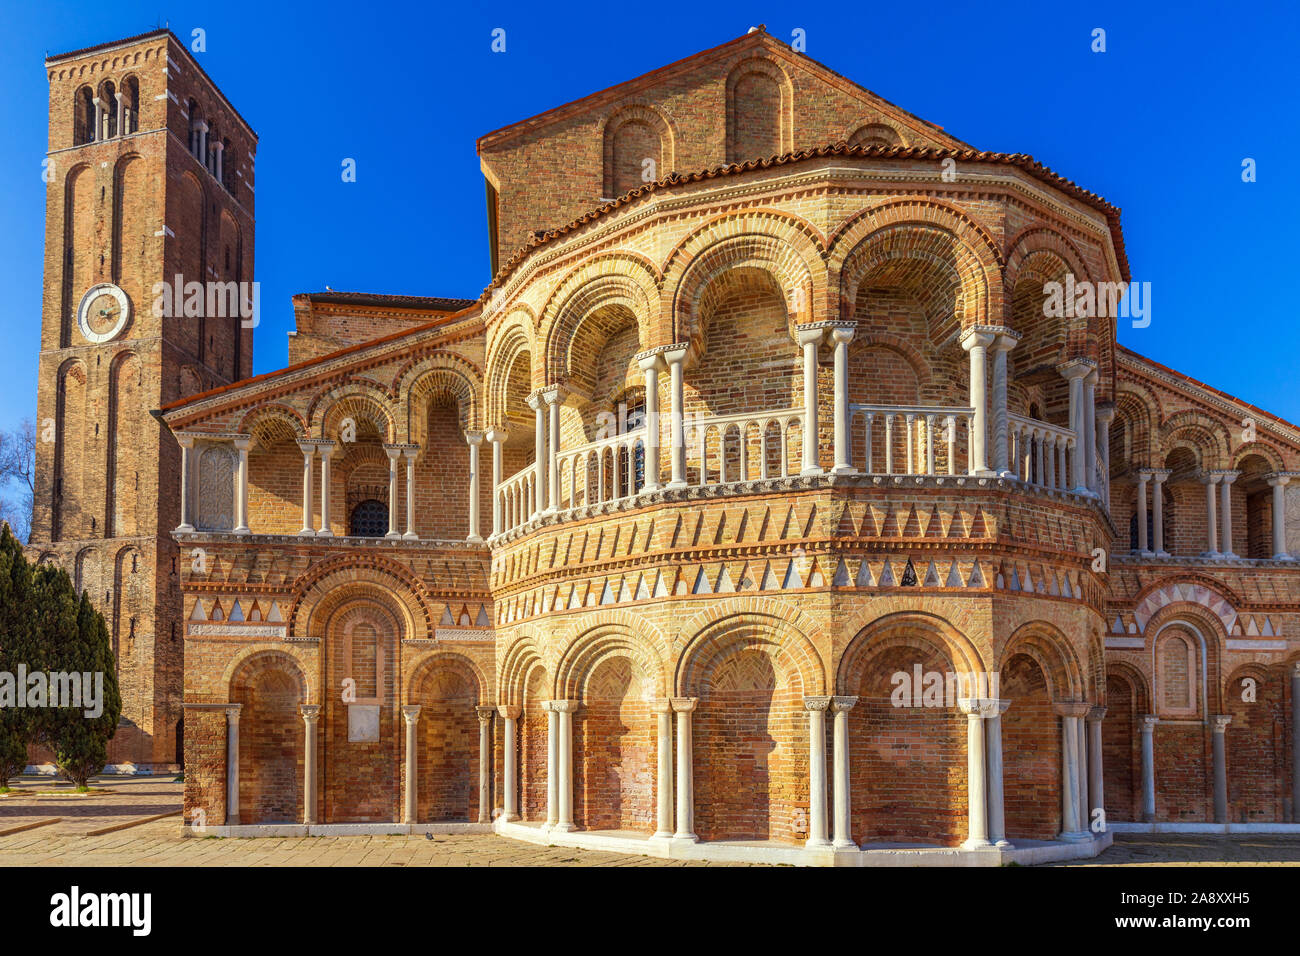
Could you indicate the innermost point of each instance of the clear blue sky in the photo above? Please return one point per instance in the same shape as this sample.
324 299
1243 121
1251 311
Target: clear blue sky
1158 125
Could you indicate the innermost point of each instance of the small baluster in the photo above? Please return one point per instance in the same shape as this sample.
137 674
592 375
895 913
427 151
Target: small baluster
952 444
889 443
929 444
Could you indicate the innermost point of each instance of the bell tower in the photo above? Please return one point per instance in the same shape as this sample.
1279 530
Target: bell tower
149 191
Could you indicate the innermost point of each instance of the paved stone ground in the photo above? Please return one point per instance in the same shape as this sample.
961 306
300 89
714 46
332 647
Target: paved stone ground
159 843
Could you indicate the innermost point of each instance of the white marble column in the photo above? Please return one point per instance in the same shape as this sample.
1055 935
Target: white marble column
411 715
409 454
121 111
675 358
497 437
997 804
554 398
552 764
664 776
187 446
684 706
484 762
310 714
809 338
1226 478
541 460
1210 479
1096 794
1219 724
977 830
1143 547
1278 483
842 335
1006 340
650 363
99 133
977 342
510 757
327 449
218 164
1159 475
232 765
564 710
241 486
842 837
1148 727
816 707
1071 827
1075 371
1090 430
1105 415
475 440
394 453
308 449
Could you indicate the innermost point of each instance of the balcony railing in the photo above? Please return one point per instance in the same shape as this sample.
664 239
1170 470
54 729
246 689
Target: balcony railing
515 497
1041 454
745 446
601 470
907 439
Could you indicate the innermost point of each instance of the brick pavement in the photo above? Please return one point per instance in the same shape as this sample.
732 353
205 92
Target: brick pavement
159 843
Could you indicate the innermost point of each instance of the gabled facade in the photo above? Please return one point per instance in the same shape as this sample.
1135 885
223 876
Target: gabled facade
763 501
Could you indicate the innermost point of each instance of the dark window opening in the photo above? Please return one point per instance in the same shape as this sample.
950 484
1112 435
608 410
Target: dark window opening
369 519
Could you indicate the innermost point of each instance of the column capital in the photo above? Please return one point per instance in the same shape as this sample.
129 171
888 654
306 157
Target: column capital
1105 412
232 713
843 331
1226 475
411 713
651 358
1279 479
310 712
307 446
1072 708
819 704
184 439
1295 668
1209 477
547 396
977 337
393 452
495 434
485 712
474 437
327 447
242 442
1076 368
661 705
562 706
843 704
1148 722
1160 474
1145 475
1096 713
509 711
1006 339
675 354
684 705
980 707
1220 722
810 333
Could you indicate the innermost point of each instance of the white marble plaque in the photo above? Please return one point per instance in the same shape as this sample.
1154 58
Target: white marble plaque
363 722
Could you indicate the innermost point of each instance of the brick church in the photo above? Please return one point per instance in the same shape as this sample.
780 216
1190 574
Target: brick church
762 507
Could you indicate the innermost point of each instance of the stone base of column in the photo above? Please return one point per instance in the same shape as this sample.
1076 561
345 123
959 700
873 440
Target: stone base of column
976 845
662 835
472 539
1074 836
1211 555
394 536
685 838
410 536
1003 844
811 844
675 485
307 533
844 845
563 828
647 488
242 530
324 533
509 817
844 470
185 529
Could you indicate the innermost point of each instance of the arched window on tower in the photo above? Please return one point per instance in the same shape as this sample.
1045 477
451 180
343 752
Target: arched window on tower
369 519
130 106
108 110
83 125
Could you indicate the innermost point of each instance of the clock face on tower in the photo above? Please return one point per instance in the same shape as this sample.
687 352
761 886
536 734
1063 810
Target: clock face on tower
103 312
